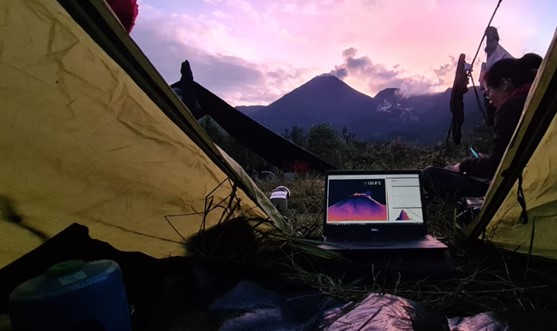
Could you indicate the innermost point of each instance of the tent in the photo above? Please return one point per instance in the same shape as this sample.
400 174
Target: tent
520 209
277 150
90 133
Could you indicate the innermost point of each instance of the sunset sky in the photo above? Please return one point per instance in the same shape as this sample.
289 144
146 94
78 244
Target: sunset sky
254 52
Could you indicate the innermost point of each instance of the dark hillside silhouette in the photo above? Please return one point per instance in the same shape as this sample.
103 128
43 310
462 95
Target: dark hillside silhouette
421 119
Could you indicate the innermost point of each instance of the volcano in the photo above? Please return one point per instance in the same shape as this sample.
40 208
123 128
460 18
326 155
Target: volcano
357 207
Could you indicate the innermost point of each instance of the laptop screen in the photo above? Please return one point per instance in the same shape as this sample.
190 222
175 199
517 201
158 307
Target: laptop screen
373 200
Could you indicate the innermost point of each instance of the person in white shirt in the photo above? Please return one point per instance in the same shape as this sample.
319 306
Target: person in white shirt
495 52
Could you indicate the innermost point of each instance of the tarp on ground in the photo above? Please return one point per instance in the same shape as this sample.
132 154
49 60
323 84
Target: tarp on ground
178 293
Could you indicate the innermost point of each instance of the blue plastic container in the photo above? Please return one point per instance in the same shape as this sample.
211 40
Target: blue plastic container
72 295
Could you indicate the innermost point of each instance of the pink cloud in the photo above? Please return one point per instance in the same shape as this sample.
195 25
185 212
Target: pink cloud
272 47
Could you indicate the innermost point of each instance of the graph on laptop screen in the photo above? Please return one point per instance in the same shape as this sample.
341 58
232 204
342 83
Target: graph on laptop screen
373 198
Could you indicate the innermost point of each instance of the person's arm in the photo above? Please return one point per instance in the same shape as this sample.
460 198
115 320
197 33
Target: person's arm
506 120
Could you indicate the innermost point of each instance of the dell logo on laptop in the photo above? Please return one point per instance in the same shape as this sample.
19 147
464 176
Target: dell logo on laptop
374 230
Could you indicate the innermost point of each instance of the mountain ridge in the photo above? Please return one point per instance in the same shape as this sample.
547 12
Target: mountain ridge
325 99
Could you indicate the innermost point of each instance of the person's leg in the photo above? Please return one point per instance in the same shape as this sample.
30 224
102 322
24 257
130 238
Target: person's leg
441 182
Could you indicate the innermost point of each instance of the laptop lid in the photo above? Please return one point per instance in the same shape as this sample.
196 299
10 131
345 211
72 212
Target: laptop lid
370 204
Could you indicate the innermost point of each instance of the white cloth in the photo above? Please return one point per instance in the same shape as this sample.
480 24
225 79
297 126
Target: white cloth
498 53
279 195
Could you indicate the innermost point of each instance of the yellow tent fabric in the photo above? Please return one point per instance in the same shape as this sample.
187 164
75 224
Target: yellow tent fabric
81 142
539 185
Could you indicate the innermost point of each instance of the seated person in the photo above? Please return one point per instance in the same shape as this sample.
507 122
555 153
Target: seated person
507 84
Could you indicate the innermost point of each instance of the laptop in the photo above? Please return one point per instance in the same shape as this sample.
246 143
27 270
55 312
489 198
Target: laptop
377 210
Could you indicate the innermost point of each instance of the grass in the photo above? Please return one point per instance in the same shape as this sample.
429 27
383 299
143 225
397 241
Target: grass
485 278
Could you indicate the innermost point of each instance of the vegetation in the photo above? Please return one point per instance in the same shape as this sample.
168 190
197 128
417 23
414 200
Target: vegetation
345 151
485 278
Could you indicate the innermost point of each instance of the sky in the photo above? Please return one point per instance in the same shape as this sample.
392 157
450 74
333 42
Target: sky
254 52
